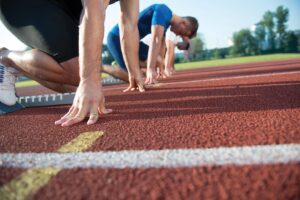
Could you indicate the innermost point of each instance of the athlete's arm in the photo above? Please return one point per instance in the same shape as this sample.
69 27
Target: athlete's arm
89 99
157 32
170 56
129 37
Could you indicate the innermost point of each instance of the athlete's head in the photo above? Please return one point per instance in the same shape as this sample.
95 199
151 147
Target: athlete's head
186 27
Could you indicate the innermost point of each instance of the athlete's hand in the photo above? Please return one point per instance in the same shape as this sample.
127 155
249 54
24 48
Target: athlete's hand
151 77
135 84
161 75
168 71
88 103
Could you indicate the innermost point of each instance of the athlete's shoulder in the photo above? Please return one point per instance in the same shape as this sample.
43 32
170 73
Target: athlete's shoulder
162 6
157 7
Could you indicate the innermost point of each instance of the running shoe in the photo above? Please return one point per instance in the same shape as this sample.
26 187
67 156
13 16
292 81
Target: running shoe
7 85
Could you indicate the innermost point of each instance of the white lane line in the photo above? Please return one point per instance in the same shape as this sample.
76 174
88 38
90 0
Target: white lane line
214 79
264 154
232 77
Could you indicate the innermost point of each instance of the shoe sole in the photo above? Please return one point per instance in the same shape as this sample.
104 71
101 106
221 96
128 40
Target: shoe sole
4 109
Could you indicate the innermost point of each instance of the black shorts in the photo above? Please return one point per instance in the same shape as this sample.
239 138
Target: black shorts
48 25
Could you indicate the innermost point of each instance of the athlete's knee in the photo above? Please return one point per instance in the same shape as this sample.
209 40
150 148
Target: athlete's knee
32 56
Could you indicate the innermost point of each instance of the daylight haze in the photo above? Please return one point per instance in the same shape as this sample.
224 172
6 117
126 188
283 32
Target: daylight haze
218 19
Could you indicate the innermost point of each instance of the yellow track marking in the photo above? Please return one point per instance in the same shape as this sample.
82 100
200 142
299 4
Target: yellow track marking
81 143
30 181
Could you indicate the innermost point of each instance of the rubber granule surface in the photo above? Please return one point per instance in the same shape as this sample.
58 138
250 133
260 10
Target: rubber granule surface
229 106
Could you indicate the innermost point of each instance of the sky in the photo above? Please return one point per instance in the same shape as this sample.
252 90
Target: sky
218 19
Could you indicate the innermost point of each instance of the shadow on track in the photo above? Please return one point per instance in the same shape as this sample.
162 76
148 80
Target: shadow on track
162 103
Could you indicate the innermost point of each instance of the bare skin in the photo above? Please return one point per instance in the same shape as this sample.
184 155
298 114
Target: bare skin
89 99
179 26
170 55
169 59
160 61
116 71
129 37
42 68
157 32
155 56
82 71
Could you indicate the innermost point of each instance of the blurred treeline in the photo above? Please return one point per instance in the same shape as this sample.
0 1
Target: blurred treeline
270 35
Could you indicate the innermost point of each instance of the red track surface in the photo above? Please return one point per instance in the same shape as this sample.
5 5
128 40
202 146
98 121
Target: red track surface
187 113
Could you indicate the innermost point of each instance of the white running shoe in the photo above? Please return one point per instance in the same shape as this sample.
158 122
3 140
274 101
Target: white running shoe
7 85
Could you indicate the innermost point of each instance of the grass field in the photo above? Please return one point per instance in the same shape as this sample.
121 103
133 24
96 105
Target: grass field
231 61
210 63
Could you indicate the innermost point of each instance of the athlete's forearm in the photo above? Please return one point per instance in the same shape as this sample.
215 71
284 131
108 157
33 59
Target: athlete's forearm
129 35
170 54
163 49
155 46
91 33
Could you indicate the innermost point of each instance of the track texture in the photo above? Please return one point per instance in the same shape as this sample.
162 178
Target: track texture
203 108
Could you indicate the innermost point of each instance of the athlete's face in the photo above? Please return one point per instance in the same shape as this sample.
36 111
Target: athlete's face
182 28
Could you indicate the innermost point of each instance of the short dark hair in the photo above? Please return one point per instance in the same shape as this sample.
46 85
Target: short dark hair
193 25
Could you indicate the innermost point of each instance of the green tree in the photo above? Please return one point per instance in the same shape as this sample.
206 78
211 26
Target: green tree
299 43
217 54
260 35
282 15
290 42
268 22
196 49
244 43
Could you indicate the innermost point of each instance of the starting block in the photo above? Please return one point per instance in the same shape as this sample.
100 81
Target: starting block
47 99
38 101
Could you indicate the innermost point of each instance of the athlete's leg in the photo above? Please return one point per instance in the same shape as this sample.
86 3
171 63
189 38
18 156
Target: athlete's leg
42 67
51 30
114 46
115 71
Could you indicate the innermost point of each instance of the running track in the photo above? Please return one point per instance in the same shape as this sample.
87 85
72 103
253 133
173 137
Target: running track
217 133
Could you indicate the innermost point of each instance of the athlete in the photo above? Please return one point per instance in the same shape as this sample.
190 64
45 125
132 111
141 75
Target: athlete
66 39
153 20
165 61
173 41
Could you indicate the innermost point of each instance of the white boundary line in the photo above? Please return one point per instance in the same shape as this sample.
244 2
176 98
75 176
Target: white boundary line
213 79
234 77
264 154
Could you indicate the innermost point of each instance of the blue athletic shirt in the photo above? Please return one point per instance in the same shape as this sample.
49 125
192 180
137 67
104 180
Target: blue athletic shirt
156 14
